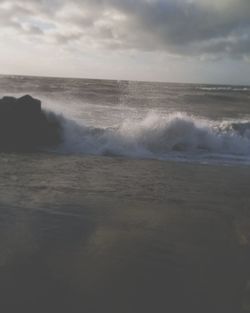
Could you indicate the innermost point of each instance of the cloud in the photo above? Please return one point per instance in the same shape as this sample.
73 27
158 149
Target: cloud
178 27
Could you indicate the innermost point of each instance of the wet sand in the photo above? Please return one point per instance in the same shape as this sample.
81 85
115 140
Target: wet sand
97 234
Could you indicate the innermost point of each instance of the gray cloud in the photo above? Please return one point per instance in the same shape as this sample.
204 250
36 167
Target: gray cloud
66 38
183 27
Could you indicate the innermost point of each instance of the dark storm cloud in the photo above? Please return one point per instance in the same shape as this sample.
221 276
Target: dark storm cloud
184 27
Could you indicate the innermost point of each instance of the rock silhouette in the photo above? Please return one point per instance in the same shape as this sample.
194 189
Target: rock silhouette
24 126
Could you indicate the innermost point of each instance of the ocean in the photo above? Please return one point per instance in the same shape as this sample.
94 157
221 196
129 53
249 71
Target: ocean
143 208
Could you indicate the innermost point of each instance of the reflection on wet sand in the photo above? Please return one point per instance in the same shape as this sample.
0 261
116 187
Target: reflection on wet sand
93 242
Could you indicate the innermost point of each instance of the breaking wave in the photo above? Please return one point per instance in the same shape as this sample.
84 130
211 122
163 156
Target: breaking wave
175 136
224 88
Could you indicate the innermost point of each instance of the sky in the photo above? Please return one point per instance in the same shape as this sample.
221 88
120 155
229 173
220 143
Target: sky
202 41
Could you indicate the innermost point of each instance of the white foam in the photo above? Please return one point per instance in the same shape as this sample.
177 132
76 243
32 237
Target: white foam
172 136
224 88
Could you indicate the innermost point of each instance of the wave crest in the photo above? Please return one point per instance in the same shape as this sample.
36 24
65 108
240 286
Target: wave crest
171 136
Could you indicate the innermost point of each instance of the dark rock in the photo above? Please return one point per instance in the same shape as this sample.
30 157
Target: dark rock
24 126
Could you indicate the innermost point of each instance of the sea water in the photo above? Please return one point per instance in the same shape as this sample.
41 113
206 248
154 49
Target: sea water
144 206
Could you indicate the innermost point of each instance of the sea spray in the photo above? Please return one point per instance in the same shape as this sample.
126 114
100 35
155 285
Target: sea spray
157 136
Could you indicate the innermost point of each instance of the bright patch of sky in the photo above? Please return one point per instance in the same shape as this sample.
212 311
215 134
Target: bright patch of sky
165 40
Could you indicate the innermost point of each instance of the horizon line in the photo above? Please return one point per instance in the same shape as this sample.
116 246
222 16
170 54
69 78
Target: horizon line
125 80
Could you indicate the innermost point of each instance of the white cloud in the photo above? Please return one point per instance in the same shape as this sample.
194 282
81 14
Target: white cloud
208 30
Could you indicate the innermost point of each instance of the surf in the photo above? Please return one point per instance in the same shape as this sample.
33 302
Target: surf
156 136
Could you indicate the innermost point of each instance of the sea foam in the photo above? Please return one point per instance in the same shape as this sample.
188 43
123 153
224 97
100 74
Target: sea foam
157 136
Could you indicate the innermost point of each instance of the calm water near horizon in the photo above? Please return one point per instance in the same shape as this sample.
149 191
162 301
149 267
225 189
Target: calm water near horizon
143 208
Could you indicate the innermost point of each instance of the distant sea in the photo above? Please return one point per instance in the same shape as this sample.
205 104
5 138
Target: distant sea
143 208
